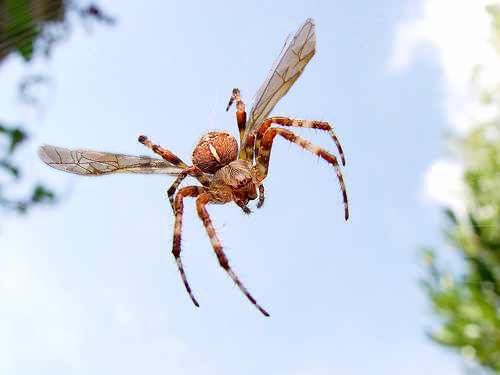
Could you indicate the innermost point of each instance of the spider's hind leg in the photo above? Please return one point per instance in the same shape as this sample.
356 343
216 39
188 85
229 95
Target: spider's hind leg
193 171
189 191
201 202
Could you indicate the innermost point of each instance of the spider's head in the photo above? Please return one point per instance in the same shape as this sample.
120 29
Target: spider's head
215 150
245 194
238 176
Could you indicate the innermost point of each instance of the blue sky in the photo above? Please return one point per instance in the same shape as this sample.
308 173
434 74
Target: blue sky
90 285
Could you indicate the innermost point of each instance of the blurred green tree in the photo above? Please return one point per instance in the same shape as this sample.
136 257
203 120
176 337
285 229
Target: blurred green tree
468 303
30 28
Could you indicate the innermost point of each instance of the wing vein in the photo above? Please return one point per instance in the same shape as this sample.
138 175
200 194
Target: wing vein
293 58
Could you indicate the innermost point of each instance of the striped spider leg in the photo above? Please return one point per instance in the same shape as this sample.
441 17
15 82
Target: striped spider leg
220 197
310 124
264 153
241 117
163 152
218 194
178 206
192 171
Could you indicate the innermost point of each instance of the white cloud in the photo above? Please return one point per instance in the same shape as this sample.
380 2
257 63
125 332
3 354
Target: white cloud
443 184
457 34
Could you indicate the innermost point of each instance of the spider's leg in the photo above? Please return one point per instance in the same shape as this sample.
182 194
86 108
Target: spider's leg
262 161
193 171
249 148
241 119
163 152
201 203
189 191
310 124
260 203
244 207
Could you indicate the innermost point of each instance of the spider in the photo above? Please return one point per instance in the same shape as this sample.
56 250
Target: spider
226 173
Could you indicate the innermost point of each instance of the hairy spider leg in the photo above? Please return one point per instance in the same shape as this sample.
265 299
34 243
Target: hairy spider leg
241 118
244 207
262 162
201 203
163 152
311 124
249 148
193 171
260 203
189 191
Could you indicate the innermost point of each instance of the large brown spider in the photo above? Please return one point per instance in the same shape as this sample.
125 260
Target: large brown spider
224 174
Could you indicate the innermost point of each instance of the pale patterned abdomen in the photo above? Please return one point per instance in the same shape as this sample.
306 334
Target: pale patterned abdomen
215 150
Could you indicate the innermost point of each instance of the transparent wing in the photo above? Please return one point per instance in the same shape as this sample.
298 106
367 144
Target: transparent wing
96 163
289 65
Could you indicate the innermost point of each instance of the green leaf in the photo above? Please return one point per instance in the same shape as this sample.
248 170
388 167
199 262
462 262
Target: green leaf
13 171
450 215
42 195
17 136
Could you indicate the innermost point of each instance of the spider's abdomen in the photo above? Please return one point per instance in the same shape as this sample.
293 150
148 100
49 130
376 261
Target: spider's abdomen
215 150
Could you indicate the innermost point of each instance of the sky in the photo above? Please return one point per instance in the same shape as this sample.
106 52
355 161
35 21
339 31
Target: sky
90 286
469 67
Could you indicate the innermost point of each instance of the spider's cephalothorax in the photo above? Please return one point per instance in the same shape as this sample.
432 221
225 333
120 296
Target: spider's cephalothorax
239 177
224 174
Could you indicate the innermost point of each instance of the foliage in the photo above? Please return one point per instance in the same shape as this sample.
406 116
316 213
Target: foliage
468 304
39 193
23 22
29 28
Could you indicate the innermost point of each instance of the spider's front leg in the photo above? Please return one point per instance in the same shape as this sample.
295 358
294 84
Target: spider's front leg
163 152
241 119
244 207
189 191
201 202
261 167
310 124
260 203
